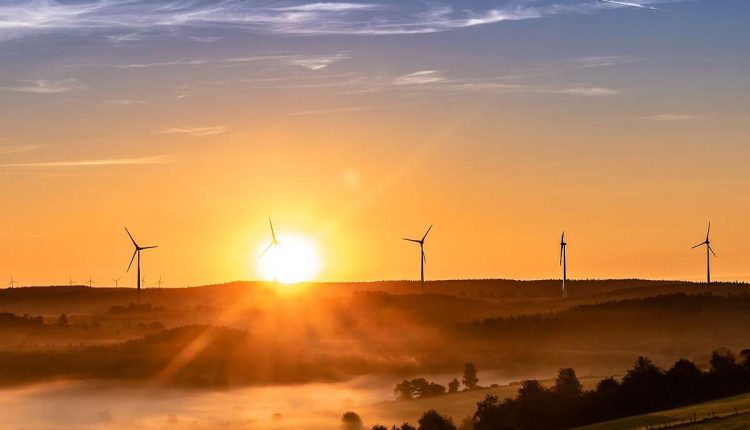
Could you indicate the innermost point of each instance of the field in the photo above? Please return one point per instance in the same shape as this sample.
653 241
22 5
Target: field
723 409
353 341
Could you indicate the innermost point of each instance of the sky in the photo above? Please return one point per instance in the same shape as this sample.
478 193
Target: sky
354 124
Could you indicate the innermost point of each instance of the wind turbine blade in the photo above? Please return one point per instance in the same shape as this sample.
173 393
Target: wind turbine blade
712 250
266 250
273 233
708 231
131 237
411 240
428 232
149 247
561 252
131 260
700 244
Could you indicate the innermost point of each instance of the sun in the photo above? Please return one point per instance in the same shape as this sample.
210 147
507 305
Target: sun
294 259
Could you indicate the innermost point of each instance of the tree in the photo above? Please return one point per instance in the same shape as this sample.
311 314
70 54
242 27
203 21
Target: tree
62 320
493 415
432 420
644 387
470 379
379 427
685 382
453 385
351 421
403 390
567 384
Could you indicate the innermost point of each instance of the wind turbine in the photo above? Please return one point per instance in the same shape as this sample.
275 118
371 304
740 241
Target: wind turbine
159 282
91 281
274 242
117 281
12 282
563 263
137 252
709 251
70 281
422 259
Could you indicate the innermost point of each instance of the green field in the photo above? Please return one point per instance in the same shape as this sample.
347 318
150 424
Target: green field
724 409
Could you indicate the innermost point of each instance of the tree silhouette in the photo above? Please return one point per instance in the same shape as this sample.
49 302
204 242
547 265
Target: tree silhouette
432 420
453 385
470 379
351 421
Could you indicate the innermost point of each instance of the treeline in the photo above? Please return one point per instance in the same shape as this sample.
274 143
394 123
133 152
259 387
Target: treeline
420 387
671 308
644 388
9 320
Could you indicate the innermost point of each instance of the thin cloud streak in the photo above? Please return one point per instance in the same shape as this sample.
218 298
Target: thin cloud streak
44 86
126 20
334 110
195 131
158 159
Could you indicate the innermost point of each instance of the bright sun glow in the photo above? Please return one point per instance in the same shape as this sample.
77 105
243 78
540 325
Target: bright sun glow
294 259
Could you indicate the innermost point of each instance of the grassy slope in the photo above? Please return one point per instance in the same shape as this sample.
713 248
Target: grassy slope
720 407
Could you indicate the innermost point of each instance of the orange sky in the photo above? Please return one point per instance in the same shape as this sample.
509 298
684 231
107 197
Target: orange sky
357 142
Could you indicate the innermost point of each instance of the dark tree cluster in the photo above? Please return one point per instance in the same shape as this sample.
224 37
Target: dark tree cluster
644 388
430 420
9 320
420 387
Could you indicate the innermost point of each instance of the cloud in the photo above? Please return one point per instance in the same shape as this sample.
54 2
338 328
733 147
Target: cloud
43 86
327 7
195 131
334 110
15 149
125 102
669 117
20 18
419 78
317 63
158 159
586 91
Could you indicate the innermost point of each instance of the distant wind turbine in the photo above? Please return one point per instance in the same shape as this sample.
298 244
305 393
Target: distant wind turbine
70 281
563 263
91 282
159 282
116 281
709 251
137 252
274 242
12 282
630 4
422 258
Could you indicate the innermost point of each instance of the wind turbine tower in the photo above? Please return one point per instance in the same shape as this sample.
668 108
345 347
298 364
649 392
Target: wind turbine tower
563 263
12 282
137 253
709 251
422 258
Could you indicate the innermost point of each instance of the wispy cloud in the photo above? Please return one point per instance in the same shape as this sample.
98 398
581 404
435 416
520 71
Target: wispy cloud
43 86
23 17
670 117
15 149
195 131
317 63
420 78
333 110
158 159
630 4
586 91
125 102
327 7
